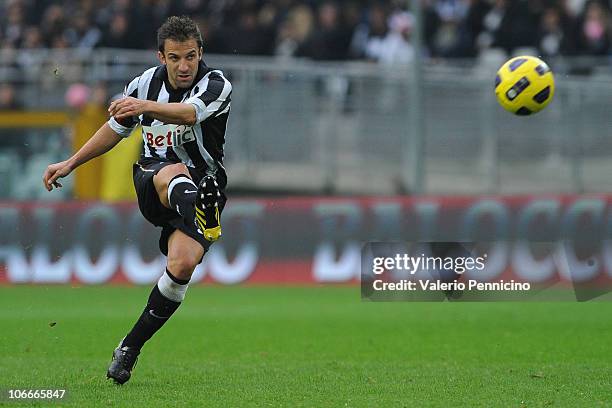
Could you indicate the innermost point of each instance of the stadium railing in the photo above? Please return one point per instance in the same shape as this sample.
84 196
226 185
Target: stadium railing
304 126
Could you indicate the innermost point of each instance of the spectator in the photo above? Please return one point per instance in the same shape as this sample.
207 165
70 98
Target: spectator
594 30
450 14
60 41
253 35
32 38
117 34
294 30
331 38
574 7
395 48
12 31
8 98
470 28
105 14
30 61
83 34
554 36
53 26
517 26
368 34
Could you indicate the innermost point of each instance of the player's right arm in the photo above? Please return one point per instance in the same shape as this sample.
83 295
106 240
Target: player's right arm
101 142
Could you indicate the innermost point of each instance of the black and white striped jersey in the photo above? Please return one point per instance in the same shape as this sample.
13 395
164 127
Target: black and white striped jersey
199 146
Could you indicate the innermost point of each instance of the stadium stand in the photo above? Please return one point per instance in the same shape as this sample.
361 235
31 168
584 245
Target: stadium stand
320 30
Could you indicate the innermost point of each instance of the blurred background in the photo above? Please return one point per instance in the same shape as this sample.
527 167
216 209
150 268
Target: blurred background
348 101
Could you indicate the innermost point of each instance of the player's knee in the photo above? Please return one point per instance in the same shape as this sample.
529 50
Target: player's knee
163 177
182 265
172 170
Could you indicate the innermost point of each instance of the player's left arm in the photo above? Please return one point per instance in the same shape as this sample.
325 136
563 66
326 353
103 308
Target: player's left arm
214 99
175 113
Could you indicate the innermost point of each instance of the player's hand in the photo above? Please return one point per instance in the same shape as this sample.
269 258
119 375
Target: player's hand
127 107
54 172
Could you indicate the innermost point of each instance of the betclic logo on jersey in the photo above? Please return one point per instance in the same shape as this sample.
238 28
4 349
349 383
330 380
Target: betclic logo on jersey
167 135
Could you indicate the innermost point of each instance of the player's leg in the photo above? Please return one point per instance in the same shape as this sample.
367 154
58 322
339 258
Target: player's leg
184 254
177 191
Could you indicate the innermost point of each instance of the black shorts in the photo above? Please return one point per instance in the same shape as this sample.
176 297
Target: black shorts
155 212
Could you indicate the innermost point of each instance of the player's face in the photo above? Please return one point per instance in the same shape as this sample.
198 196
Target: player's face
181 59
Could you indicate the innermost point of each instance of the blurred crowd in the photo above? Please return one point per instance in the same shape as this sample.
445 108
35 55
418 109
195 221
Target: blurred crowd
378 30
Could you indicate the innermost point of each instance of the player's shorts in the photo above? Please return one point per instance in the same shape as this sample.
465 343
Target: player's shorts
155 212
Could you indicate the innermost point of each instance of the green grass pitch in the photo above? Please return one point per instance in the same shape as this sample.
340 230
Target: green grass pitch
306 347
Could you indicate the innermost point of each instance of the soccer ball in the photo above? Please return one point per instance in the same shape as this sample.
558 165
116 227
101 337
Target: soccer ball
524 85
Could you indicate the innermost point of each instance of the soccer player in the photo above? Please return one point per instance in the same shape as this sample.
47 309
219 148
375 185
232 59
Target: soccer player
183 107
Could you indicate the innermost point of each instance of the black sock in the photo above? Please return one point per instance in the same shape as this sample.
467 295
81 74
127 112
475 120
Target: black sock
181 196
158 310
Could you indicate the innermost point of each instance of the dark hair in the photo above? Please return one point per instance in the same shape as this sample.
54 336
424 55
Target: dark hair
180 29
